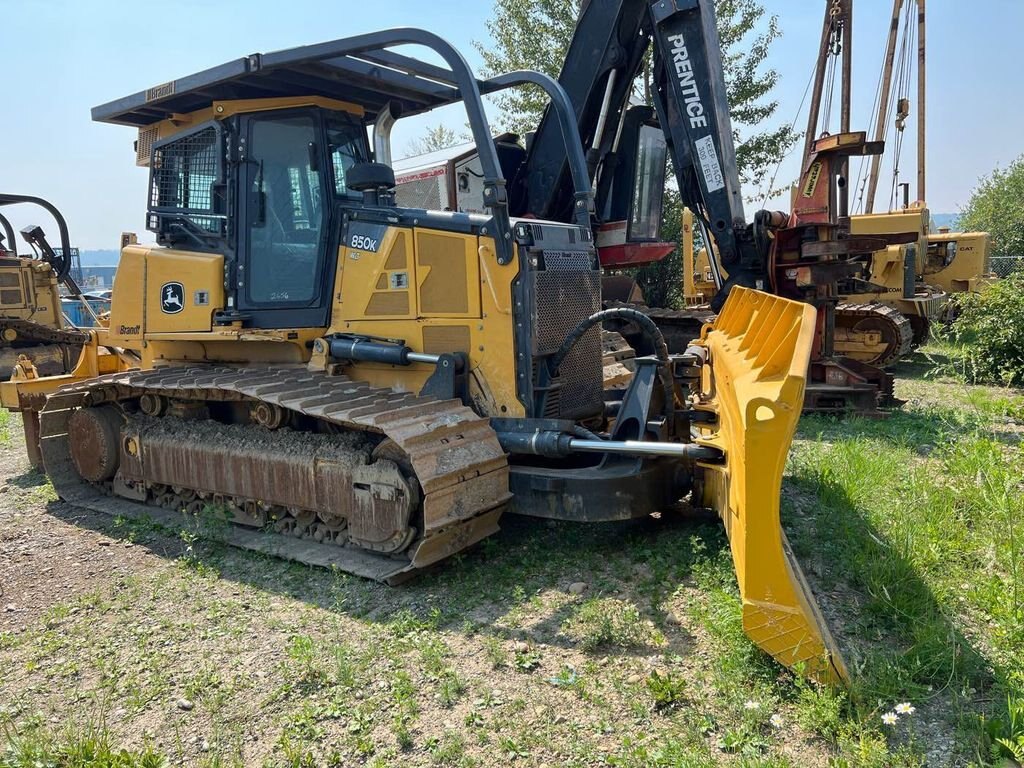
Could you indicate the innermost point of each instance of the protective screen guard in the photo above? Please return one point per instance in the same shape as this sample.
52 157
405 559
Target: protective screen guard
758 352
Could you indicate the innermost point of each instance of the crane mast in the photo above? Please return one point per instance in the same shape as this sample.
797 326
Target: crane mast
886 94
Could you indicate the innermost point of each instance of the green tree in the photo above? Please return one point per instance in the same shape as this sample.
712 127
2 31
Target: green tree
535 34
990 331
527 34
435 138
997 207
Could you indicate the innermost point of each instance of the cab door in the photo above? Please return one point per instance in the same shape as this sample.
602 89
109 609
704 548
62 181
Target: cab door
285 229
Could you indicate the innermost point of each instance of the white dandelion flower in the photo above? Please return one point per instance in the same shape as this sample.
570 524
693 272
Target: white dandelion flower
906 708
776 721
890 718
751 705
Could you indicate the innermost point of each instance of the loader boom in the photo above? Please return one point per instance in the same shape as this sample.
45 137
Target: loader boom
689 98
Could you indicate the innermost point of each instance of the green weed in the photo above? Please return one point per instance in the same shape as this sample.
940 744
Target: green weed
604 622
667 690
90 746
1005 734
495 650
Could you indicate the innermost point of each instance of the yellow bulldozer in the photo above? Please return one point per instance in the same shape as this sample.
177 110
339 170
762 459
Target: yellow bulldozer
357 385
32 323
896 284
958 262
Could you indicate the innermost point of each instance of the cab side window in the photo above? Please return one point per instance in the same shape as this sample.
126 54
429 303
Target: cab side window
347 145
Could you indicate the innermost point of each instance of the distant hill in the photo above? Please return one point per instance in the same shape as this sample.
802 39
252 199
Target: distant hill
102 258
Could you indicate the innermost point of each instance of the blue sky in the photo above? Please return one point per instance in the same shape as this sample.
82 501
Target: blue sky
62 57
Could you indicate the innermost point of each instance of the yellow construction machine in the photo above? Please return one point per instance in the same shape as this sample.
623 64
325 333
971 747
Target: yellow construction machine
32 324
958 262
944 262
905 307
369 387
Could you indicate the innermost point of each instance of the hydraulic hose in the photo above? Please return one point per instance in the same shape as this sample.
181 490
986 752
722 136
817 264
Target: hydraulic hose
585 433
647 326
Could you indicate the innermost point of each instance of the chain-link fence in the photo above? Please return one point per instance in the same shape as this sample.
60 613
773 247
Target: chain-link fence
1004 265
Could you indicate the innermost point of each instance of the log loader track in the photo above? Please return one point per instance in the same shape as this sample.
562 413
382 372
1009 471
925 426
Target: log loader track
894 330
303 465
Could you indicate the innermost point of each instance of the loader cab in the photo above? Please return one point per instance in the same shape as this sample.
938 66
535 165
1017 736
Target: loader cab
250 162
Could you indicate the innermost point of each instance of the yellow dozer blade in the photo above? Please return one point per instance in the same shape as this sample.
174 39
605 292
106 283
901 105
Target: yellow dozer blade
757 353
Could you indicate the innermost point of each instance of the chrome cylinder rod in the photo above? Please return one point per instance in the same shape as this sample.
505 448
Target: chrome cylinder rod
422 357
644 448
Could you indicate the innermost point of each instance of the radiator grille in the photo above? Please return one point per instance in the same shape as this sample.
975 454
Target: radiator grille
563 299
422 193
568 261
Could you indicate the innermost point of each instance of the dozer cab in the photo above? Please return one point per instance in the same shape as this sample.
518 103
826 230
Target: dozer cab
359 385
958 262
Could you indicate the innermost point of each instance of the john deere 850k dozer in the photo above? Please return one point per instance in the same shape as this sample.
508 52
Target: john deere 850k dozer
369 387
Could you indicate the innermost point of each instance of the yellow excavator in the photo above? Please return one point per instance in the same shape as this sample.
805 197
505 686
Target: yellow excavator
32 324
358 385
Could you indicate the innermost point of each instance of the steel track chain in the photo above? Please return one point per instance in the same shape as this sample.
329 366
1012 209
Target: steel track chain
455 455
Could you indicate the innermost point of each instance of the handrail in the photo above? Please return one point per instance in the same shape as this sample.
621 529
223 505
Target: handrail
65 241
495 193
9 234
562 106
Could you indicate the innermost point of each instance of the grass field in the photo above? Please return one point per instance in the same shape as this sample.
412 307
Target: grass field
126 646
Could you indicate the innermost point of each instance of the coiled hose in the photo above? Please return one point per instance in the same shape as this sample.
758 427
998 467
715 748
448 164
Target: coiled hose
647 326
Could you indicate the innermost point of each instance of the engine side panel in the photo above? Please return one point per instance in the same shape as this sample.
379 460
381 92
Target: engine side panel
163 290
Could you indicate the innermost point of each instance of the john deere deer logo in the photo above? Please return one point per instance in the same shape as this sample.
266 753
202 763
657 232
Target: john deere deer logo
172 298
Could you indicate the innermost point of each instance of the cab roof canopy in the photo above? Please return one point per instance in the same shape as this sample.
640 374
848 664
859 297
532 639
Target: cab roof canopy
356 69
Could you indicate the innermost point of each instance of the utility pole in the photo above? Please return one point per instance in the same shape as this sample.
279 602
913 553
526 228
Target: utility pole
921 191
883 106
